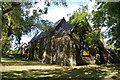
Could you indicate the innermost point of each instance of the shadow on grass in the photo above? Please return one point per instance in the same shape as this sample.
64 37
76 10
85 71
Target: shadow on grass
65 73
89 73
18 61
14 58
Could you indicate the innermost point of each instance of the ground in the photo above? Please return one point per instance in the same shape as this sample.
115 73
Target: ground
20 69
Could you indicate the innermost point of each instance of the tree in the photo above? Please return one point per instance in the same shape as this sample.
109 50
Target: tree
16 21
107 15
113 22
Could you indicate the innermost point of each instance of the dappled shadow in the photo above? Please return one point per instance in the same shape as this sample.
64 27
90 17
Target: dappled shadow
20 63
15 61
23 69
15 58
67 73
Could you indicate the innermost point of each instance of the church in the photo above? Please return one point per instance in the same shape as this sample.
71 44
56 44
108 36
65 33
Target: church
59 45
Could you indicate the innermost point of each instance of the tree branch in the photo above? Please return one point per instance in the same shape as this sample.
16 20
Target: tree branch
7 10
23 27
29 26
10 9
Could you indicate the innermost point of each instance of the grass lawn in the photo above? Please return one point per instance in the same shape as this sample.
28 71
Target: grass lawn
20 69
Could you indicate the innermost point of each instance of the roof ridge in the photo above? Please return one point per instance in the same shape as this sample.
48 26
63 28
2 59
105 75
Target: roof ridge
46 33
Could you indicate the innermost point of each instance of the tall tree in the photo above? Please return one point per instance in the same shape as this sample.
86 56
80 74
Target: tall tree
113 22
17 22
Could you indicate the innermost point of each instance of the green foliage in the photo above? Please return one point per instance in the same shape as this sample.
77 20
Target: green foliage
14 52
81 20
5 44
98 20
79 17
81 28
16 22
13 23
91 39
109 15
114 13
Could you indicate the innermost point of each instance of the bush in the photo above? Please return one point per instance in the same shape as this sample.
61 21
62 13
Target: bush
14 52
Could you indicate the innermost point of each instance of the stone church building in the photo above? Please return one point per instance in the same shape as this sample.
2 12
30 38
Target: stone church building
59 45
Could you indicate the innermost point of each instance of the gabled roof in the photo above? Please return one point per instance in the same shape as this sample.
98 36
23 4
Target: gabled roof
64 27
60 27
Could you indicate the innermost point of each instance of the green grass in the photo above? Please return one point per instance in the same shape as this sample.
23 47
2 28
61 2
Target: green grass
20 69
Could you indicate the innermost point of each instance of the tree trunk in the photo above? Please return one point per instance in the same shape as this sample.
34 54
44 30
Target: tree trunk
32 51
9 32
78 58
100 45
101 52
41 49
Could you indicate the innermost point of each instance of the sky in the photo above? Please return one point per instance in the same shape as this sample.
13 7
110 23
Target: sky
56 13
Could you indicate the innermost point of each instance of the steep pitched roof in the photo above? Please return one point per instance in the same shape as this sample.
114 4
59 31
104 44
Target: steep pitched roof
61 28
64 27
